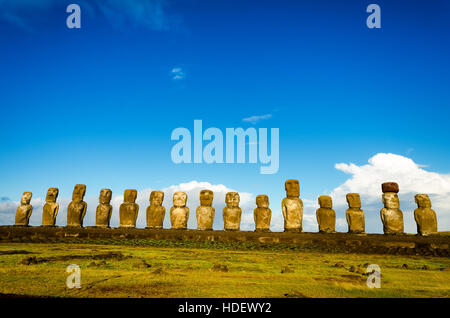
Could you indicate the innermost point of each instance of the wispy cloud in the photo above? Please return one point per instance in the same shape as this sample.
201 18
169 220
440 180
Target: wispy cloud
256 118
177 73
150 14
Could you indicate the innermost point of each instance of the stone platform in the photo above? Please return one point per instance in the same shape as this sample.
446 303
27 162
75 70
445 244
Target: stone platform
406 244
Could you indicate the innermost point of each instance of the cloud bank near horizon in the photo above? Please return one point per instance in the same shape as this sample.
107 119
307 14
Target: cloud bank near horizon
412 179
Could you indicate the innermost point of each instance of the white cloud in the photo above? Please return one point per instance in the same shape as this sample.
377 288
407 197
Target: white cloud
177 73
412 179
256 118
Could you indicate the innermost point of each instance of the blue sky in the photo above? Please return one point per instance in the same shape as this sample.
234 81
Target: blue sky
97 105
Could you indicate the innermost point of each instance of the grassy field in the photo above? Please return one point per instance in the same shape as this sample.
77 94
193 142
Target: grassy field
177 269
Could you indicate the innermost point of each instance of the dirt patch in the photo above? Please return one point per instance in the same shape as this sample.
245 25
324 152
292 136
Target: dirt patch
118 256
295 294
159 271
14 252
342 279
147 290
352 278
287 269
101 264
22 296
219 268
32 260
141 264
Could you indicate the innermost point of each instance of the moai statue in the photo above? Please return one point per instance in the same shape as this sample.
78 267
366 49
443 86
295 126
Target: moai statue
292 207
104 209
232 212
179 213
128 210
205 212
51 208
391 215
156 212
326 217
354 214
77 208
24 210
425 216
262 214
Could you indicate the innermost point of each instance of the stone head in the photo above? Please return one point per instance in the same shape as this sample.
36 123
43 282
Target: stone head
325 202
423 201
26 198
78 192
179 199
391 201
52 195
206 197
232 199
105 196
353 200
129 196
262 201
389 187
292 188
156 198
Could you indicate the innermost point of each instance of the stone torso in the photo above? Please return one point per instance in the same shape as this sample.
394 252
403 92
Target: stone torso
326 218
232 218
205 217
23 213
75 213
293 213
128 213
103 215
49 213
426 221
355 220
262 218
155 216
179 217
392 220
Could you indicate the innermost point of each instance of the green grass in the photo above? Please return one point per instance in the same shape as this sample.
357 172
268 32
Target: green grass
184 269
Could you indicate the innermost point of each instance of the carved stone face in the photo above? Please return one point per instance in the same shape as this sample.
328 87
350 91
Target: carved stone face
232 199
292 188
78 192
26 198
105 196
179 199
391 201
130 195
423 201
52 194
353 200
262 201
156 197
206 197
325 202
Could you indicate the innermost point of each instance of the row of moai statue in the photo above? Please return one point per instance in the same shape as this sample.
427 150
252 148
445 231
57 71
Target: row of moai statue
292 208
